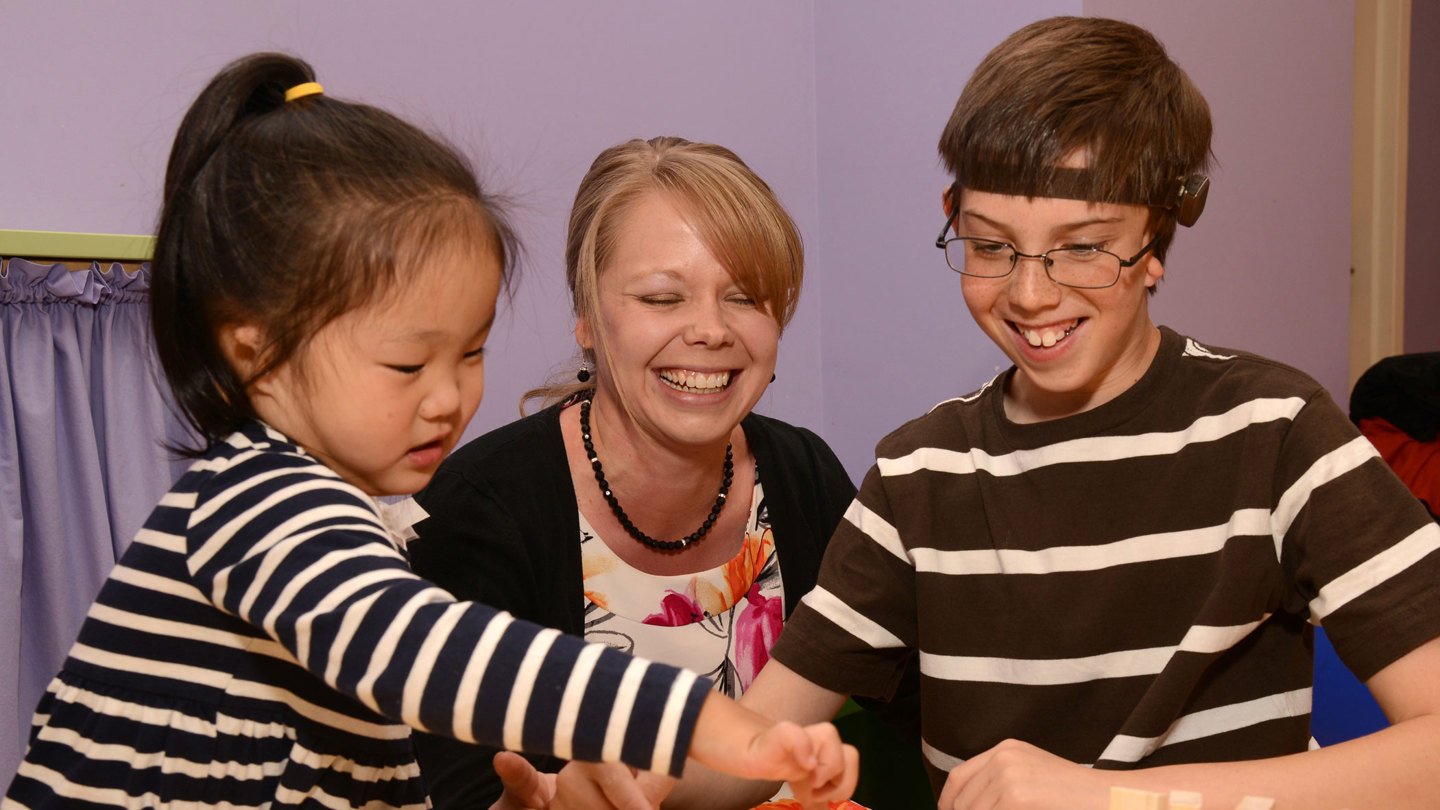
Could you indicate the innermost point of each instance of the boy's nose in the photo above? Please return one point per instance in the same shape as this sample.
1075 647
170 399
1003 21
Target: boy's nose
1030 285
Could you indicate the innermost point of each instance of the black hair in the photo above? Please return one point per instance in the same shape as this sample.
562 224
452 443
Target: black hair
286 215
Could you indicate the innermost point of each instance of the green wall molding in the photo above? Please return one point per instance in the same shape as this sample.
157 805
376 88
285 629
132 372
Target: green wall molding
65 245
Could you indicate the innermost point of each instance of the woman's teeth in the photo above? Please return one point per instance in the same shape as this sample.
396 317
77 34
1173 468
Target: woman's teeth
1046 337
696 382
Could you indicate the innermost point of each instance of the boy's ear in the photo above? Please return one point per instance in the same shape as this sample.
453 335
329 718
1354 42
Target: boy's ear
947 200
1154 270
242 345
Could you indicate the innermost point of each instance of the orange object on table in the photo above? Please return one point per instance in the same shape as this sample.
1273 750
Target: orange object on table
792 804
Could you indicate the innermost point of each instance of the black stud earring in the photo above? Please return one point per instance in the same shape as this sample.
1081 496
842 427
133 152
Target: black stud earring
583 375
772 378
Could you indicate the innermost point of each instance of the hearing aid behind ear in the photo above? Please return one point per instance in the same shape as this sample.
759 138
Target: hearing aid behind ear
1190 202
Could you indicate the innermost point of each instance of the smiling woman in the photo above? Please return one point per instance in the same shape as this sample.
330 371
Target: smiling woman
647 506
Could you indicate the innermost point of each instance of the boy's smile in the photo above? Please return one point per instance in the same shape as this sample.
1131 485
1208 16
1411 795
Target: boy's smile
1074 349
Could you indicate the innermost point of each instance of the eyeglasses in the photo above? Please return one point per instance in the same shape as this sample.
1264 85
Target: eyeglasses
1086 267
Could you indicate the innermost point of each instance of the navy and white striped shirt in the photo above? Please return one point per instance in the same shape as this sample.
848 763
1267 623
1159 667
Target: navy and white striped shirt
264 642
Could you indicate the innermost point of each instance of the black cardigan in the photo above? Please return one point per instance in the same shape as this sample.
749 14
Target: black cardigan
504 529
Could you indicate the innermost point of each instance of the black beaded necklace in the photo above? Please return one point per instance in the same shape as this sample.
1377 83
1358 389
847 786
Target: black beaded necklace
664 545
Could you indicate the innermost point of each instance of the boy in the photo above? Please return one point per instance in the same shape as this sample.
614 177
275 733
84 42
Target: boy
1108 557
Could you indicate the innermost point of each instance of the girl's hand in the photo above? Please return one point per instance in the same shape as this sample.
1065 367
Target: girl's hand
819 768
1018 776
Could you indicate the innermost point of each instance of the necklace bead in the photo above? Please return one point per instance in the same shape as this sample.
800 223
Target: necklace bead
624 519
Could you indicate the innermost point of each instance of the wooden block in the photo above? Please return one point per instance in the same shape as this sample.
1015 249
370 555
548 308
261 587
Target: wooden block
1255 803
1185 800
1122 798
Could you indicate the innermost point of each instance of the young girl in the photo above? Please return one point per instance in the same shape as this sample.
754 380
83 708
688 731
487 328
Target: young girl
324 282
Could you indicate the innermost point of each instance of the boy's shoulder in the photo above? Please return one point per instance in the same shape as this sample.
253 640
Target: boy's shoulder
944 425
1206 366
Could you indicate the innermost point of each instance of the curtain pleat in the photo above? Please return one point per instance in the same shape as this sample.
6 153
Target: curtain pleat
83 427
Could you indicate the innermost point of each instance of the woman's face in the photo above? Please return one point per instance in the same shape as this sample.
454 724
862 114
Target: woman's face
678 342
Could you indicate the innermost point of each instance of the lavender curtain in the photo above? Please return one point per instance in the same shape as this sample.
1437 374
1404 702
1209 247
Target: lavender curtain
83 422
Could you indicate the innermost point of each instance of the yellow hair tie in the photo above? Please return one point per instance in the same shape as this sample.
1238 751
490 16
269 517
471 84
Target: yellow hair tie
303 90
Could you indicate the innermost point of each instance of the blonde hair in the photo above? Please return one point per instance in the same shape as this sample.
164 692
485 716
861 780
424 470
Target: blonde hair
736 214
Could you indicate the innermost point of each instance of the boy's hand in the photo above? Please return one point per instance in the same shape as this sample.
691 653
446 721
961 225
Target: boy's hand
525 787
1018 776
595 785
587 785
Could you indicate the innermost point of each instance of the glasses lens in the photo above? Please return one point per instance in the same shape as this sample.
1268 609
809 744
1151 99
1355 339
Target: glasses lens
1084 267
979 257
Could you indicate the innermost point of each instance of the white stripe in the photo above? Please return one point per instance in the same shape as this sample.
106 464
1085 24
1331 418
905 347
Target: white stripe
337 597
1210 639
941 760
319 714
1193 349
621 708
273 649
388 645
167 628
289 797
670 721
424 663
164 541
297 578
1146 548
219 499
1327 468
850 620
1044 672
292 525
113 752
1092 449
967 398
354 618
178 500
469 689
66 789
1380 568
573 696
324 760
877 529
526 675
146 666
111 706
158 584
1051 671
1209 722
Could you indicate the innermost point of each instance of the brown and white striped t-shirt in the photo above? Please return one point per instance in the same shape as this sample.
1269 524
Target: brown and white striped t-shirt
1128 587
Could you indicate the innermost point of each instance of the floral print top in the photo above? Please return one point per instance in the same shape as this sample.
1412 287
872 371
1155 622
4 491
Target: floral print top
720 623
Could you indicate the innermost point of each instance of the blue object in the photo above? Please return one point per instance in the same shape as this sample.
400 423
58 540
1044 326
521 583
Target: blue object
1343 707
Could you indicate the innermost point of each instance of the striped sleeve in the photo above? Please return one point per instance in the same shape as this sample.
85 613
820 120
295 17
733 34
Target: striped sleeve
278 541
857 640
1363 552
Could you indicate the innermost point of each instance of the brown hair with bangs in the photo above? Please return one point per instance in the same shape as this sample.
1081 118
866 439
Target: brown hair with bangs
735 213
1066 85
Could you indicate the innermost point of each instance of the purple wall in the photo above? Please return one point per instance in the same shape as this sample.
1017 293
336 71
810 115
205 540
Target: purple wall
533 91
1267 269
1422 194
838 105
897 337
